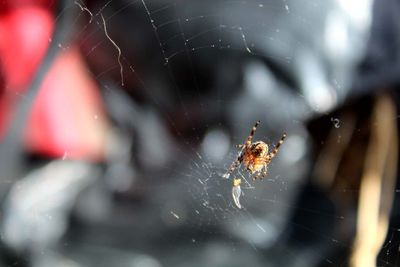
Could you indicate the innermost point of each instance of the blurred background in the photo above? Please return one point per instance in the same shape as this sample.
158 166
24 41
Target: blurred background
118 119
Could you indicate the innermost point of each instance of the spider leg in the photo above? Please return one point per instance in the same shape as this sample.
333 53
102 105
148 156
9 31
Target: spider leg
233 166
261 174
257 176
264 173
273 153
253 130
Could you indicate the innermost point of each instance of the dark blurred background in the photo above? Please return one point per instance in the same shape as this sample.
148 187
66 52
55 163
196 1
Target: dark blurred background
119 118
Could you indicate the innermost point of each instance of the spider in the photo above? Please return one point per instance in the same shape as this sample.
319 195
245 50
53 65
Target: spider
255 156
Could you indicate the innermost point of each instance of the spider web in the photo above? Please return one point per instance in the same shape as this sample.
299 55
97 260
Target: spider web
209 216
195 205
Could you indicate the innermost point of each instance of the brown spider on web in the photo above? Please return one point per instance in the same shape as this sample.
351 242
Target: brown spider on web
255 156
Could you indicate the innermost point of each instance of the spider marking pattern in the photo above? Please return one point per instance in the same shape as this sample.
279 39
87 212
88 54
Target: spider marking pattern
255 156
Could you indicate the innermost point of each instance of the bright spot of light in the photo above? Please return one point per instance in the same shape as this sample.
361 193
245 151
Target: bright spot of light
145 261
359 11
295 149
215 144
336 35
320 96
322 99
259 80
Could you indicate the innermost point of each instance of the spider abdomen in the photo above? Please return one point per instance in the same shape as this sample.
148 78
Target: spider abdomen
254 165
254 156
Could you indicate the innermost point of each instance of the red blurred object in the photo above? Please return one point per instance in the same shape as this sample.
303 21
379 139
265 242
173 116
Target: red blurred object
67 118
24 39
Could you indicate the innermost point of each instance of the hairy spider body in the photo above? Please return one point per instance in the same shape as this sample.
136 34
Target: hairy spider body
255 156
254 160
